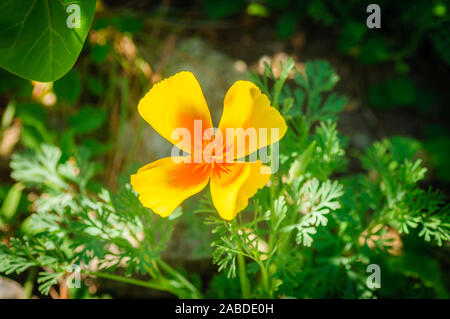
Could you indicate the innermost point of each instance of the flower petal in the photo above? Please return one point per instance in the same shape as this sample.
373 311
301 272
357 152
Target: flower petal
164 184
231 190
174 103
246 107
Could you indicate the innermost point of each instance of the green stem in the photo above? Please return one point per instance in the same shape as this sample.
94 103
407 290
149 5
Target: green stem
132 281
151 271
180 277
272 194
309 111
245 286
29 283
265 279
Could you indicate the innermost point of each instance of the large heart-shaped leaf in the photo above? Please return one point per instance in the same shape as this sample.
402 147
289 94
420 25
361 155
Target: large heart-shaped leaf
41 39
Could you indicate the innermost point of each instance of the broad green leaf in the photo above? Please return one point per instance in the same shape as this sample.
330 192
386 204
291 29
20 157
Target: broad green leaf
40 39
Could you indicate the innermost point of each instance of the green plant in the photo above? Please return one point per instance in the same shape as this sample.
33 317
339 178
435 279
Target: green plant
310 233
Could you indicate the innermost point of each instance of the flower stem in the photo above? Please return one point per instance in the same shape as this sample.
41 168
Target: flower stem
245 287
29 283
265 279
132 281
181 278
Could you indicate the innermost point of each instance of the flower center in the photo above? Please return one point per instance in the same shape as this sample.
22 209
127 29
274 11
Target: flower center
213 155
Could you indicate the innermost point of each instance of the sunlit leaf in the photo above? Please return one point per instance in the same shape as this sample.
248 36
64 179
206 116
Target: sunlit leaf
38 39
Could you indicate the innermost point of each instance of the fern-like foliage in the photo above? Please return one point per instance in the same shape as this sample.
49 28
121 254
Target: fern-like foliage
401 202
73 225
315 200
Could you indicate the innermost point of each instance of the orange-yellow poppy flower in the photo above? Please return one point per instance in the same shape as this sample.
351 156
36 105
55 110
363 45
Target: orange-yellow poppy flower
178 102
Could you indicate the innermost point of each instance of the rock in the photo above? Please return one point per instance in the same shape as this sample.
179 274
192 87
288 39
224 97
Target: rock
9 289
